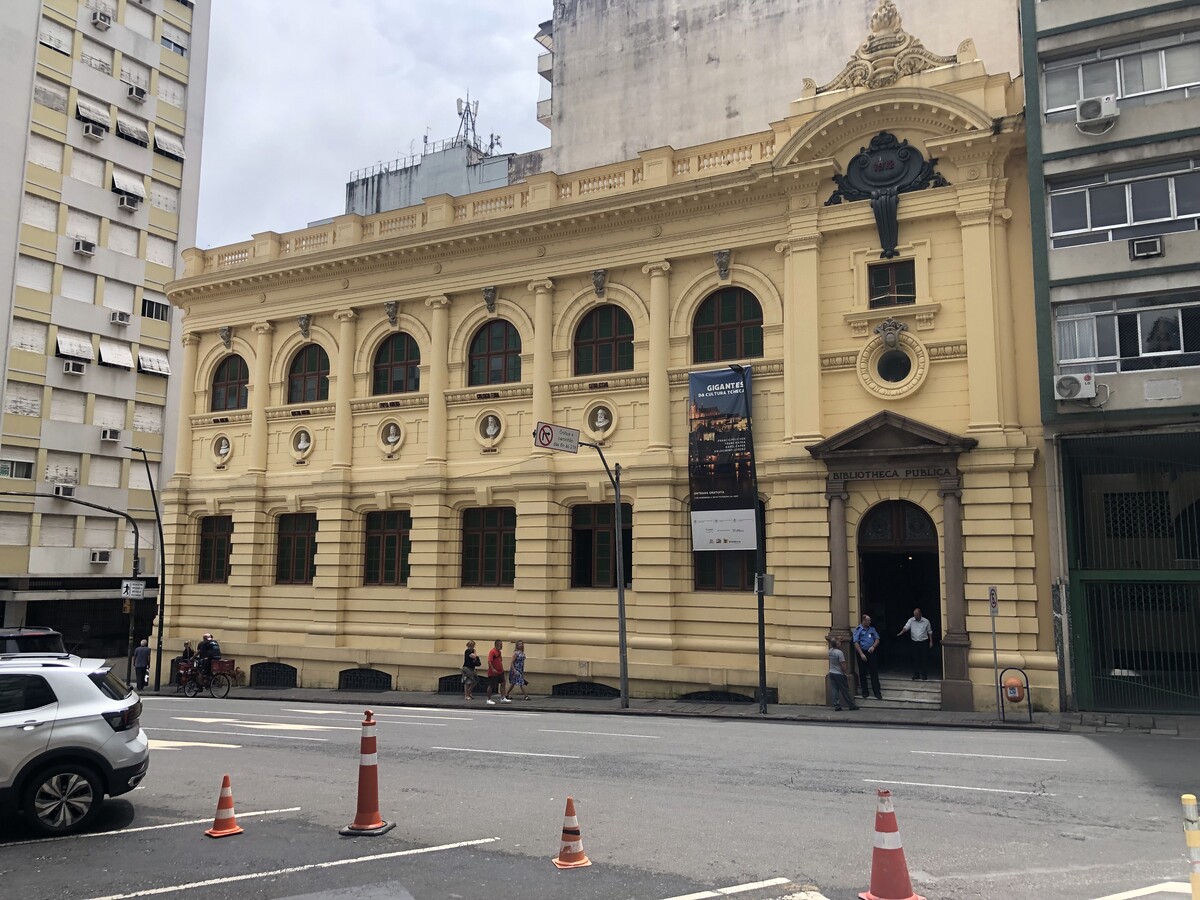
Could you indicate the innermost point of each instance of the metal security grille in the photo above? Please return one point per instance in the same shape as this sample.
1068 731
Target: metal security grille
364 680
272 675
584 689
1133 538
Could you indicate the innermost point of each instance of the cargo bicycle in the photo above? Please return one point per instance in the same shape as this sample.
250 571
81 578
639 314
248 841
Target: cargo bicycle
193 679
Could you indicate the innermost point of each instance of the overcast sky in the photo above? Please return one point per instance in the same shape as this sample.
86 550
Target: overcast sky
302 92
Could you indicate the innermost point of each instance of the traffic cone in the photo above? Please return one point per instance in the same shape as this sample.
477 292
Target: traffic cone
225 822
889 871
570 854
367 820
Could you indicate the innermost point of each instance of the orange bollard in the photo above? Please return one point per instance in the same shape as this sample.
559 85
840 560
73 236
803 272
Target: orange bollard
570 854
225 822
367 820
889 870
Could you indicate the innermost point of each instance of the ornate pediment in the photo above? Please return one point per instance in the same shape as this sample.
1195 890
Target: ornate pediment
888 54
887 435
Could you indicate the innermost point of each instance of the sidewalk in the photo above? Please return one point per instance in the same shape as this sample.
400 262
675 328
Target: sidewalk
1018 720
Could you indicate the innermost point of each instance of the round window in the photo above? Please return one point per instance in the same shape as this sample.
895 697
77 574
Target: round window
894 366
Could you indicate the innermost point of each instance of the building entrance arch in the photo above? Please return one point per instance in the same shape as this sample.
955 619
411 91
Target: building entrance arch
898 571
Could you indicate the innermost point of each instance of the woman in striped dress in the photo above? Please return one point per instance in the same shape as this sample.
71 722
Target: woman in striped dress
516 671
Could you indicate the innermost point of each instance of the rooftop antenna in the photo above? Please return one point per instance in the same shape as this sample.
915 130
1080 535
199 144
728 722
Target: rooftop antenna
468 113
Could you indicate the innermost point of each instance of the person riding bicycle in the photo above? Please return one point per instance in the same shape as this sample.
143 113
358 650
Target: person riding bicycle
206 651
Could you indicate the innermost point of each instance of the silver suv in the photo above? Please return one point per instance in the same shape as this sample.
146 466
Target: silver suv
69 734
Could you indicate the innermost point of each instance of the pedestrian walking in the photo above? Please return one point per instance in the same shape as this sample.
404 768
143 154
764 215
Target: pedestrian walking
470 664
141 664
921 633
837 675
866 645
516 672
495 673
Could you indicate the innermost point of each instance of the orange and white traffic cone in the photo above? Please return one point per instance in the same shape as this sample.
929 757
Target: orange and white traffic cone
889 871
367 820
570 854
225 822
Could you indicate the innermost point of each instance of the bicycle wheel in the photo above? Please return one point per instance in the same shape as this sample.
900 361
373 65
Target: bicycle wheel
219 686
191 687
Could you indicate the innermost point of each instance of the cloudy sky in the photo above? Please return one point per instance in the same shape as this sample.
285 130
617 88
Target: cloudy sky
302 92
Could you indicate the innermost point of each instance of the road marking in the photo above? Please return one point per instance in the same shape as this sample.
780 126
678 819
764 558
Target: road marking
292 870
378 715
653 737
277 737
959 787
987 756
730 891
269 726
158 744
506 752
1167 887
95 834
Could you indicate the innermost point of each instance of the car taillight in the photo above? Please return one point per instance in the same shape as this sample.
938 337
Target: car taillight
124 719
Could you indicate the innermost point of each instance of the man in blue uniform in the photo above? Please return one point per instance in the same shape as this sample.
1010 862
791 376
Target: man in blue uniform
866 645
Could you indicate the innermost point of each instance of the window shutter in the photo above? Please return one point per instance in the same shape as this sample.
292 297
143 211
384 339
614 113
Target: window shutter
123 239
109 412
171 91
147 419
87 168
139 21
79 285
137 476
62 468
133 72
99 532
36 274
40 212
160 251
57 531
45 153
105 471
118 295
176 35
97 56
50 94
14 529
67 406
27 335
56 35
164 197
83 225
23 399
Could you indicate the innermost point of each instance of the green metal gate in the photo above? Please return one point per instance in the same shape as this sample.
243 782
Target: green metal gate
1133 533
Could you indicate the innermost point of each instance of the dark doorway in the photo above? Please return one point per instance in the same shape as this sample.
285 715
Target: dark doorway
898 571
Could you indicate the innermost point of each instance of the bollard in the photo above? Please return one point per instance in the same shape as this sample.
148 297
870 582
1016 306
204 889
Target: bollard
1191 836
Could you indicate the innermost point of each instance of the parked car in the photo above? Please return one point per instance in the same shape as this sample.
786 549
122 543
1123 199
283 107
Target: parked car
70 734
30 639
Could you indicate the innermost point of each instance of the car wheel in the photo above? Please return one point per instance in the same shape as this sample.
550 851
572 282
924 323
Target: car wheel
62 799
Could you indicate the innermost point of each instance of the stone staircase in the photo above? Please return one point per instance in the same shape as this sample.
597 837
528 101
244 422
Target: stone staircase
899 692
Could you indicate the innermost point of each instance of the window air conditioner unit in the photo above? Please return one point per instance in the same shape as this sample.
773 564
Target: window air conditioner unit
137 93
1096 110
102 20
93 132
128 203
101 556
85 248
74 367
117 317
110 434
64 490
1075 387
1146 247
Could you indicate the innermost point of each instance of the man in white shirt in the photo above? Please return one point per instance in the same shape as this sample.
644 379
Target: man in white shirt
921 634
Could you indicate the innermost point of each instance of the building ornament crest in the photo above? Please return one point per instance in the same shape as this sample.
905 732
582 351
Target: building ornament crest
226 333
599 281
489 298
887 55
304 322
722 258
390 307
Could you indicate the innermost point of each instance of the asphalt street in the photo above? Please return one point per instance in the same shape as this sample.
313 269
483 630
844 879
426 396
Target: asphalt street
667 808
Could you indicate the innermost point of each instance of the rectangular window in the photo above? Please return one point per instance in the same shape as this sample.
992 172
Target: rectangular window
154 309
1153 66
50 94
175 39
118 295
148 418
45 153
23 399
139 21
388 542
35 274
87 168
168 144
83 225
296 558
1128 334
78 285
27 335
132 129
122 239
18 462
67 406
109 412
164 197
171 91
97 56
593 559
216 541
40 212
55 35
489 547
892 284
160 251
1113 206
133 72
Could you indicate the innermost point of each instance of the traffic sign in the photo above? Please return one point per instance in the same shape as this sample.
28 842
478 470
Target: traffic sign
133 590
556 437
993 601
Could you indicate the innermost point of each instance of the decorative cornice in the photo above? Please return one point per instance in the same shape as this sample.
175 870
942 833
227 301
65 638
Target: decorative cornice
407 401
322 410
947 350
494 393
761 370
200 420
979 216
611 382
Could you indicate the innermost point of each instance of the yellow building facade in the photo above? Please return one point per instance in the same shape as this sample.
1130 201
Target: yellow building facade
357 491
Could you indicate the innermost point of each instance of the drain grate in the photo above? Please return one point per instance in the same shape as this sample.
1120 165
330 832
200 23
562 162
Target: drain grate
272 675
585 689
450 684
364 680
728 697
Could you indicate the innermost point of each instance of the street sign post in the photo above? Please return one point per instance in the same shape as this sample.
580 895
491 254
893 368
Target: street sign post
133 590
556 437
994 609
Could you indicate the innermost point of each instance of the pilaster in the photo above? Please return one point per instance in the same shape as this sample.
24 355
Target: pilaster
659 424
260 391
438 369
343 419
187 405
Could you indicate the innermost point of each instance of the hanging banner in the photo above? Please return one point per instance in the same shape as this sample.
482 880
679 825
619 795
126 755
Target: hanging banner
721 461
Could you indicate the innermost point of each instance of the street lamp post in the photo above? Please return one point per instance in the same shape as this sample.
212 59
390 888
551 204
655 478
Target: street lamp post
162 570
760 555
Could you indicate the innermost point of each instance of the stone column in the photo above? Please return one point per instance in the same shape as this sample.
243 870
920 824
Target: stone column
660 355
983 327
543 353
343 418
438 366
260 393
1008 342
801 338
957 693
839 560
187 404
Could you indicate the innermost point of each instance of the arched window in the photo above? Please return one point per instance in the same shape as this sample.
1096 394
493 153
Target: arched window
495 354
308 378
728 325
397 366
229 385
604 341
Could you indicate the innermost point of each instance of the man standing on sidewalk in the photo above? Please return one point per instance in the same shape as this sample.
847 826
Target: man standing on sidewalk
141 664
866 645
921 634
496 674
